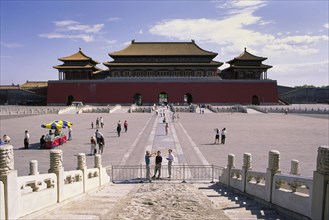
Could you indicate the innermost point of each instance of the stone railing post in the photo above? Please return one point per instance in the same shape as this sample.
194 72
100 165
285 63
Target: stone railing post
9 178
245 167
83 167
230 165
34 167
273 168
103 176
294 167
320 191
56 166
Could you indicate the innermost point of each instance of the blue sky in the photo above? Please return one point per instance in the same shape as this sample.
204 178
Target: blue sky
292 34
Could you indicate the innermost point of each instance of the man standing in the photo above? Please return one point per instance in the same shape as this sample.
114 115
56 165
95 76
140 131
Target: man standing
223 136
119 128
26 140
148 156
70 133
125 125
158 161
170 159
101 120
217 136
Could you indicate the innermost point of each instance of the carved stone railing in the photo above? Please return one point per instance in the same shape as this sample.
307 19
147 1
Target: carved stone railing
309 197
43 187
293 192
23 195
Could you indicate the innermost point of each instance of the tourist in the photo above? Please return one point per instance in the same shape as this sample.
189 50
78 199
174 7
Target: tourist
50 133
57 132
217 136
125 125
157 169
1 142
170 159
101 145
26 140
98 136
119 128
166 128
97 123
42 142
223 134
92 125
70 133
148 156
101 120
93 144
6 139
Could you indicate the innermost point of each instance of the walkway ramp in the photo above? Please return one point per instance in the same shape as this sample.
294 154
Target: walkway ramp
234 205
253 111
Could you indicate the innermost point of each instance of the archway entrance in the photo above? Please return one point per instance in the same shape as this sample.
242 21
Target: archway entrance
69 100
188 99
255 100
163 98
137 99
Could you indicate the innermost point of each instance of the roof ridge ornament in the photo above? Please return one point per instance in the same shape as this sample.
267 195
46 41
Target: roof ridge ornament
79 48
245 49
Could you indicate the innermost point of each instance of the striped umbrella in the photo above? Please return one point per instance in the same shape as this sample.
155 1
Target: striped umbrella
64 123
53 125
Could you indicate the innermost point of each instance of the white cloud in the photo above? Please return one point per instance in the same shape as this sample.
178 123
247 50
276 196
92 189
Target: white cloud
140 31
11 45
110 41
69 29
113 19
84 37
239 30
296 68
326 25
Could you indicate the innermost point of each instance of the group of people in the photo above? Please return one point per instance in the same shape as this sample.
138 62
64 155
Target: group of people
221 133
6 140
97 139
158 163
99 123
125 125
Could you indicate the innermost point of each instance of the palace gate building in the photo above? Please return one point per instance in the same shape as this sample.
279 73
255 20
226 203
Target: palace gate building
157 72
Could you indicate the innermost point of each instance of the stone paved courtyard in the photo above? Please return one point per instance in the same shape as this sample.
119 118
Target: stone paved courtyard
191 137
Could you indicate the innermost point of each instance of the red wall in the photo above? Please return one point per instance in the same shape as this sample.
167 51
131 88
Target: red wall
102 92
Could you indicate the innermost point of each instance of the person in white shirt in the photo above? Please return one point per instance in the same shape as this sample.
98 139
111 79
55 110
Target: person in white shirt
6 139
26 140
223 134
170 159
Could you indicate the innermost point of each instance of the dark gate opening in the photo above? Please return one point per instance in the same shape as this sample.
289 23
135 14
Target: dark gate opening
137 99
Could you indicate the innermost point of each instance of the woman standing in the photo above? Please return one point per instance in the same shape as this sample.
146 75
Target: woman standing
26 140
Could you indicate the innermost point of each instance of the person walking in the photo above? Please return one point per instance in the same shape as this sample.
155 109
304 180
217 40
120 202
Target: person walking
98 136
26 140
101 145
217 136
166 128
101 120
93 144
119 128
170 159
148 156
157 169
70 133
223 134
97 123
125 125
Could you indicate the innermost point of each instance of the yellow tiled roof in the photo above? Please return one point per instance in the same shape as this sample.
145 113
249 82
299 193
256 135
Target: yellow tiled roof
162 49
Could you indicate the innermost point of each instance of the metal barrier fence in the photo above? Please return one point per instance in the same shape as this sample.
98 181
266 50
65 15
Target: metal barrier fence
137 173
